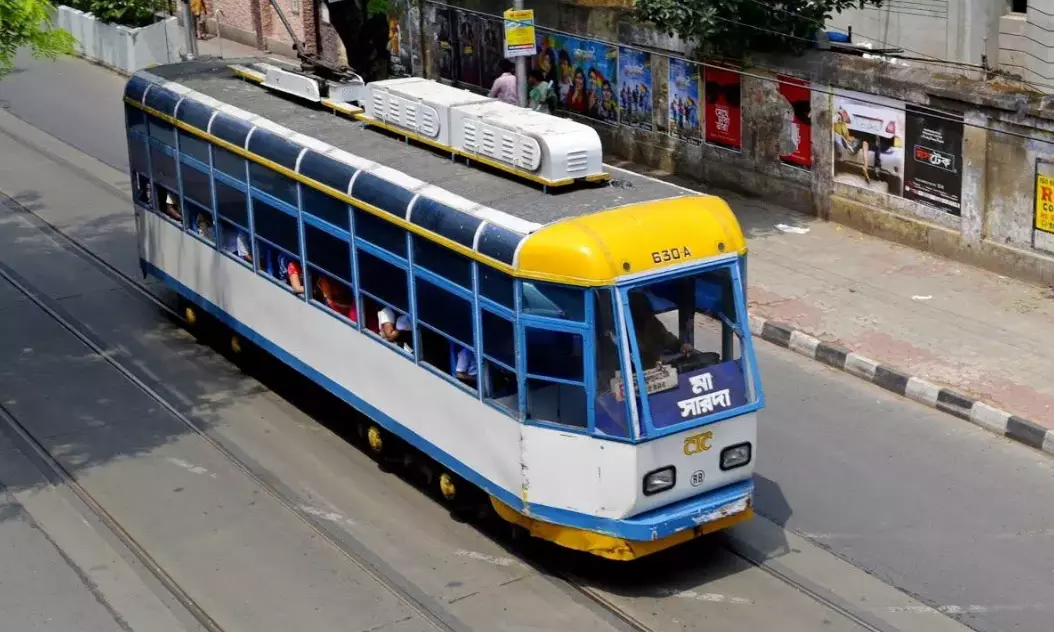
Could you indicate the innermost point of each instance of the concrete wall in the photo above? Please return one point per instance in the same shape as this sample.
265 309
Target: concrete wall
125 49
1026 41
237 20
957 30
1006 130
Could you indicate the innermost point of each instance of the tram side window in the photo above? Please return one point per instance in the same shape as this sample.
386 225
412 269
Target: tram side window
553 301
196 185
231 206
141 189
443 262
499 362
555 377
162 131
135 119
228 163
278 242
386 300
166 183
380 233
497 286
445 331
273 183
609 404
194 147
325 207
329 271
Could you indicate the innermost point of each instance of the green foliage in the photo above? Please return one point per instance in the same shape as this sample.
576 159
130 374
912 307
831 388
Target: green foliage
376 7
27 23
735 27
134 13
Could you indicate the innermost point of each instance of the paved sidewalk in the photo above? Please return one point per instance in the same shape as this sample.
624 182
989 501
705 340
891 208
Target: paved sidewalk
983 335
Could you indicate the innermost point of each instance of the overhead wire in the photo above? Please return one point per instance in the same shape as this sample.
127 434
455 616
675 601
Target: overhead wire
931 112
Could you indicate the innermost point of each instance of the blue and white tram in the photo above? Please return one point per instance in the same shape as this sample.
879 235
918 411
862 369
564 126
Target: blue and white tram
512 352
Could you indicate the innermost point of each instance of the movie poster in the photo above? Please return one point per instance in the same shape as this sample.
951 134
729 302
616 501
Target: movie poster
933 164
469 31
635 88
723 118
400 50
584 72
683 100
868 137
796 92
445 52
491 51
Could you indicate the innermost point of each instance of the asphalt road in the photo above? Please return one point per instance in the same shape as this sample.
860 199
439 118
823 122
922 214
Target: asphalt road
925 502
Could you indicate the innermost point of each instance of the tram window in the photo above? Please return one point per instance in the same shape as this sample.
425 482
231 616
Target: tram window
563 404
449 313
443 353
231 204
498 339
443 261
556 354
333 293
554 301
234 241
141 189
137 153
497 286
383 280
281 265
163 168
380 233
322 206
168 205
196 186
327 252
392 325
229 163
163 131
273 183
201 222
135 119
609 405
194 147
276 226
500 387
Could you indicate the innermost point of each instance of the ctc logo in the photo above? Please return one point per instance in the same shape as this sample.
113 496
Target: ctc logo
698 443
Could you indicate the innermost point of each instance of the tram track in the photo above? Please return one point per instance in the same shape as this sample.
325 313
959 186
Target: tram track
355 552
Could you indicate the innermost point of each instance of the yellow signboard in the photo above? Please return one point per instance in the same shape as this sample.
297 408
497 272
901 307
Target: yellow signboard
519 33
1045 203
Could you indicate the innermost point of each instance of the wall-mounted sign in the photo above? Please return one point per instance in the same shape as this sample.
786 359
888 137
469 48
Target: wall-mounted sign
519 33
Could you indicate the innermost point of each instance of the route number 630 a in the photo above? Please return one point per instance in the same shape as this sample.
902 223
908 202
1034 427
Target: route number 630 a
671 254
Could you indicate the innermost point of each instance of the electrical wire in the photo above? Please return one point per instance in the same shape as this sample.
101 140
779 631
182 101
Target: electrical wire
931 112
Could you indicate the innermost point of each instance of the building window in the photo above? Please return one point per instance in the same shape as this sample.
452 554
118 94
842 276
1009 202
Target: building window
1019 6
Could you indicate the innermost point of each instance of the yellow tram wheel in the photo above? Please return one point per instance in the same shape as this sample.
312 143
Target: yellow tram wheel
191 315
447 487
236 343
375 439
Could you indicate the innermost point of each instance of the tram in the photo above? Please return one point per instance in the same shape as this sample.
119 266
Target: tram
580 355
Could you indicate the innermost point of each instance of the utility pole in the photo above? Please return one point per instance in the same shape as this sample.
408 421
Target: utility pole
521 70
190 31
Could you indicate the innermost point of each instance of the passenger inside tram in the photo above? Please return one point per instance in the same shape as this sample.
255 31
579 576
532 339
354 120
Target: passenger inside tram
395 329
236 243
335 296
170 206
284 268
203 224
465 369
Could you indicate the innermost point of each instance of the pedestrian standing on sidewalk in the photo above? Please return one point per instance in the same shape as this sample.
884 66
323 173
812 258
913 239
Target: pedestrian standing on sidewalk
504 88
200 13
541 97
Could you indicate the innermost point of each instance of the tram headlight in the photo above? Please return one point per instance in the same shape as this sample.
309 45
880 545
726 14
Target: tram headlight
660 480
735 456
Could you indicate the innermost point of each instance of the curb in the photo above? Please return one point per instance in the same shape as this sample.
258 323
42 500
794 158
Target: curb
926 393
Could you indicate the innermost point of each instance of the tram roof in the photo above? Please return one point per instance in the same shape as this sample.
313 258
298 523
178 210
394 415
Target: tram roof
526 207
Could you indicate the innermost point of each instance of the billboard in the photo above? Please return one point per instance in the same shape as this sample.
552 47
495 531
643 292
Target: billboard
796 92
635 88
584 72
682 101
933 164
723 117
868 136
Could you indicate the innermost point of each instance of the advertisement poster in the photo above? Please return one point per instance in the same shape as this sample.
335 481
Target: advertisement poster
868 137
1045 197
933 166
399 47
634 81
469 27
683 100
723 117
796 92
519 33
444 29
492 51
584 72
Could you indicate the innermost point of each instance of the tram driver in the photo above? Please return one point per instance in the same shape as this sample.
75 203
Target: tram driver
653 338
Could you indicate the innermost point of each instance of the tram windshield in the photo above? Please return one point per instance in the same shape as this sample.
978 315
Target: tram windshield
687 345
